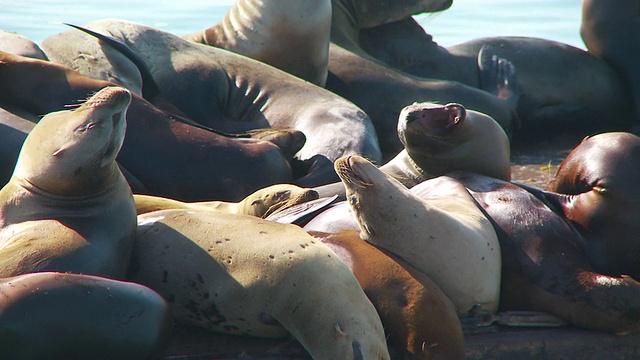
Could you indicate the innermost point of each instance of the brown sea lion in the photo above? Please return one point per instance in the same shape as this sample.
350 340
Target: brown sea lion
601 177
446 237
292 36
242 275
50 315
223 90
544 266
419 320
611 31
559 85
169 157
67 206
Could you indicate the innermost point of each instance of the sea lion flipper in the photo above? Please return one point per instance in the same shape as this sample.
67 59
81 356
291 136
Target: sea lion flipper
301 213
150 88
498 76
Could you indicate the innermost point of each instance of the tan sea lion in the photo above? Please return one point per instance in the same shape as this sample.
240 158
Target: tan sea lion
419 319
292 36
610 30
261 203
50 315
225 91
560 86
242 275
67 206
446 237
439 139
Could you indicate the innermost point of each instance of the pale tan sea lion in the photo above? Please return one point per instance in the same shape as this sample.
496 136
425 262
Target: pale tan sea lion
67 206
439 139
447 237
57 316
242 275
261 203
223 90
290 35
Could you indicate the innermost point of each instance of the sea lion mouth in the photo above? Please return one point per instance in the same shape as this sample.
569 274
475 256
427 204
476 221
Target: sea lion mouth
346 168
436 118
426 120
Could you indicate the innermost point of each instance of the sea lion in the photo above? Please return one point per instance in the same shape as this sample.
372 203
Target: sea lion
20 45
419 320
242 275
292 36
600 177
50 315
364 80
439 139
610 31
446 237
67 206
261 203
226 91
544 267
553 90
171 158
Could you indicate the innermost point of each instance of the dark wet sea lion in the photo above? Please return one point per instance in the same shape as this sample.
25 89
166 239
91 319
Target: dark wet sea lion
611 31
600 177
446 236
156 145
560 85
226 91
242 275
59 316
543 265
67 206
419 320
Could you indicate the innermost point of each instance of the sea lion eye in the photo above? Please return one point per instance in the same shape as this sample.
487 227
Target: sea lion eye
85 127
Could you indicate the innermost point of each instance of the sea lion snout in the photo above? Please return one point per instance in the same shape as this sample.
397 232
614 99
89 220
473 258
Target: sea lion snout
352 170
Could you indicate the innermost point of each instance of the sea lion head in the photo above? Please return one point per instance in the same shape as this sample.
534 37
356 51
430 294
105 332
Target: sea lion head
444 138
367 186
74 151
371 13
601 177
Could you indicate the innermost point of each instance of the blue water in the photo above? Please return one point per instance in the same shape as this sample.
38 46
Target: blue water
467 19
